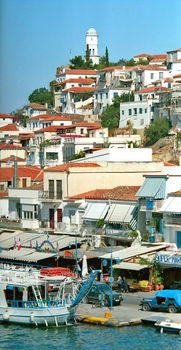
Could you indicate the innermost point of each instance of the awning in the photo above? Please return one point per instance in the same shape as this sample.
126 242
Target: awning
25 254
172 205
129 266
153 187
95 211
122 213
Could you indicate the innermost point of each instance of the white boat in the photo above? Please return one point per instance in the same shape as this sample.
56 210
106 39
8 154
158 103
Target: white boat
168 326
28 298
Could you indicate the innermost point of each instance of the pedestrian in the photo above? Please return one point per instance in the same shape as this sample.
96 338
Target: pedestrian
120 283
125 285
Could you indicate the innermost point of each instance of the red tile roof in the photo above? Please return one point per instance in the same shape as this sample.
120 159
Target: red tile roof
4 116
177 76
124 193
169 164
85 81
152 89
79 72
80 89
169 80
67 166
25 136
88 124
3 194
142 55
35 173
9 127
10 146
38 106
111 68
149 67
54 128
47 117
11 159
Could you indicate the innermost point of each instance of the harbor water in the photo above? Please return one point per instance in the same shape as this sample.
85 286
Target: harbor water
86 337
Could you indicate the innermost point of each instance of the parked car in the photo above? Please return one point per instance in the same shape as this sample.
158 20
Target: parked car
100 293
165 300
175 285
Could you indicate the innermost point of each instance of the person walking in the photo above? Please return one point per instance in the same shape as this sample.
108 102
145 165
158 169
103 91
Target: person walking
125 285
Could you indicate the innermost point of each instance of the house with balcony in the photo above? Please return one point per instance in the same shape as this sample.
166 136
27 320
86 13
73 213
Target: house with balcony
112 81
141 112
6 119
65 89
69 179
146 75
174 61
107 212
151 196
45 120
34 109
171 211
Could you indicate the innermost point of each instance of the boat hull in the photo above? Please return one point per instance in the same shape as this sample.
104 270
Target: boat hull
38 316
169 327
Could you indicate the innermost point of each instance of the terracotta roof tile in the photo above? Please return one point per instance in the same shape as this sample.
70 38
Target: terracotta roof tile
84 81
123 193
4 116
47 117
67 166
35 173
12 158
3 194
9 127
80 89
152 89
10 146
79 72
38 106
54 128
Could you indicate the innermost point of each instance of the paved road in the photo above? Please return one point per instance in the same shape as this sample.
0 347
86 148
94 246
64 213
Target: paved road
129 310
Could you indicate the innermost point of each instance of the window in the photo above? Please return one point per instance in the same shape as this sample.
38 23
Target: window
101 95
36 211
140 110
81 131
151 75
51 189
135 110
160 75
145 110
106 95
152 108
59 189
51 156
28 215
115 94
130 111
122 112
140 97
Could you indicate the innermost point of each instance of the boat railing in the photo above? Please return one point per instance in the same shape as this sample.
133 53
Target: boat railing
35 304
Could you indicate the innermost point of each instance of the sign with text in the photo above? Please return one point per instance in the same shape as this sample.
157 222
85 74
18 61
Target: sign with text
174 260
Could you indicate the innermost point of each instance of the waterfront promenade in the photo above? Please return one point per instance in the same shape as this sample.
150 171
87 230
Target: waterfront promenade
129 311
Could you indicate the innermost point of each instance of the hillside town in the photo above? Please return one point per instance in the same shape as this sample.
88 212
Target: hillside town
71 187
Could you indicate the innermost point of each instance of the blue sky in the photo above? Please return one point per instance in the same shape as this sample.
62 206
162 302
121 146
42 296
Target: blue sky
36 36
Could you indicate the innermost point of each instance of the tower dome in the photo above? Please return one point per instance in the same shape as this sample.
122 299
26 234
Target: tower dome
91 31
92 43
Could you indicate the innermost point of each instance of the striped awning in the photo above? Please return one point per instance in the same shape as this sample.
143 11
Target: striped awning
153 187
95 211
123 213
172 205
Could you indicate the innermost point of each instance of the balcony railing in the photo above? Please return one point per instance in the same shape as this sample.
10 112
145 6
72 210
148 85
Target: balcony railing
50 196
156 206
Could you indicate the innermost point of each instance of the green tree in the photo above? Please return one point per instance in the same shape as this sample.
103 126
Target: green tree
77 62
111 115
42 96
88 62
107 57
156 130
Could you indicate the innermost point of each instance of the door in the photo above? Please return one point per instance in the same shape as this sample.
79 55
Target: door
178 239
51 218
59 215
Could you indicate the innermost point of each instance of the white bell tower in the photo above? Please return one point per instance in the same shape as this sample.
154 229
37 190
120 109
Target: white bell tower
92 41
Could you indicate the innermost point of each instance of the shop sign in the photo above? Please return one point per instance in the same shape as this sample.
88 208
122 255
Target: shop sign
174 260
